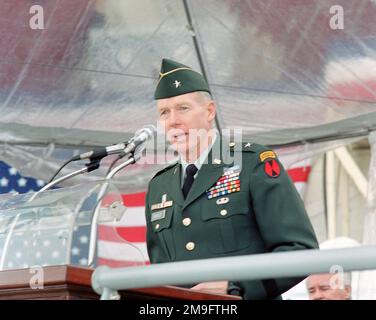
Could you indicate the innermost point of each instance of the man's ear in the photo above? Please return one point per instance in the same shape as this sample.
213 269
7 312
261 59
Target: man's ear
348 292
212 109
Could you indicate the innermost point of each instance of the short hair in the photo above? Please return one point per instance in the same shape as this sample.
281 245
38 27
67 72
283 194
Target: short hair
204 96
346 278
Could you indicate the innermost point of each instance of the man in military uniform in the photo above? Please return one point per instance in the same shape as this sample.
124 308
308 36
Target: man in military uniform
206 205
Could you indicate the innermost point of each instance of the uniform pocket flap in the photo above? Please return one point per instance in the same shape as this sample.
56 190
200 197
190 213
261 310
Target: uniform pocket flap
225 206
161 219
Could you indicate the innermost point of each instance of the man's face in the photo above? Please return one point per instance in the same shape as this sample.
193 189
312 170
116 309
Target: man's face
326 287
185 118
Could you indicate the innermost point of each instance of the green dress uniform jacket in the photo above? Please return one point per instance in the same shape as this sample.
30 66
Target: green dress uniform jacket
263 213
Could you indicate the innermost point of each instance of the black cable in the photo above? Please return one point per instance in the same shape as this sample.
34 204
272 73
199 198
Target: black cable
57 172
120 156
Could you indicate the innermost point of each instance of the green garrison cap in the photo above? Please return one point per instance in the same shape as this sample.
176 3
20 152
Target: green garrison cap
176 79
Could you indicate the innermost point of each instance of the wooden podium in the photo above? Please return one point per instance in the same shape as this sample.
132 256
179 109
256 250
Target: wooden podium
74 283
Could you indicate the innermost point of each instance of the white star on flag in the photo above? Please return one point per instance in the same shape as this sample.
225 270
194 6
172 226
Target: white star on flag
40 183
4 182
55 254
22 182
12 171
83 239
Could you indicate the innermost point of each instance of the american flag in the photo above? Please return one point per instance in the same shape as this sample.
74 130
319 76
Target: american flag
120 244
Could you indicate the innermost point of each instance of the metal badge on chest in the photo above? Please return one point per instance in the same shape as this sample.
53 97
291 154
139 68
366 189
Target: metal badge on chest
163 204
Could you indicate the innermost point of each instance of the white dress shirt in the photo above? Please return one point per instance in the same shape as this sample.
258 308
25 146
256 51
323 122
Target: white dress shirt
198 163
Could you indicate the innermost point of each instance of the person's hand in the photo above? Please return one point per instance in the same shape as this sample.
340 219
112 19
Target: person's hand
216 287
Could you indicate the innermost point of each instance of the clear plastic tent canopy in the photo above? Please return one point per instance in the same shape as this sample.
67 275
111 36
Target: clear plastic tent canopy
285 72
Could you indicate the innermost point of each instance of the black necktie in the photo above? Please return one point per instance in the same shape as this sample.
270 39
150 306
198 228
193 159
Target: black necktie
190 171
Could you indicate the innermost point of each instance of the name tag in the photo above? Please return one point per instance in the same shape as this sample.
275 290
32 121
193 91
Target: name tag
157 215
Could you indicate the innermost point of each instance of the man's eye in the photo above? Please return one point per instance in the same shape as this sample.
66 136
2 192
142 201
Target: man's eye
183 108
163 112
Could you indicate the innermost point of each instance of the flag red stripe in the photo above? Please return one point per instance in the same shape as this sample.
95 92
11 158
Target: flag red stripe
129 200
134 200
131 234
120 263
299 174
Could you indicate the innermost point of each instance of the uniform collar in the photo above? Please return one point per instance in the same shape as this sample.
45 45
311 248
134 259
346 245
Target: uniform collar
200 160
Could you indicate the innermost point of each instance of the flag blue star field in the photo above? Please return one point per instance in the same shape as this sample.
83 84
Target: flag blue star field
12 181
49 248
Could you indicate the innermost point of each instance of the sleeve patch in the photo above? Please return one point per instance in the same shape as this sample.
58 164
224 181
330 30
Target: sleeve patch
267 155
272 169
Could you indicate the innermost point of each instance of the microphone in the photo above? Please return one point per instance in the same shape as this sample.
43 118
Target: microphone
140 137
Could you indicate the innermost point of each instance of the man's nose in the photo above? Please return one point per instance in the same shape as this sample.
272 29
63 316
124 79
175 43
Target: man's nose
173 119
317 295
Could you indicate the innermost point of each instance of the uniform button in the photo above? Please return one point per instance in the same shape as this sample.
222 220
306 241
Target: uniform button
190 246
187 221
157 226
223 212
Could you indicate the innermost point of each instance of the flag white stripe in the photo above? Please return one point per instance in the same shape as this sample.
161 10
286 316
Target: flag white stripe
132 217
135 251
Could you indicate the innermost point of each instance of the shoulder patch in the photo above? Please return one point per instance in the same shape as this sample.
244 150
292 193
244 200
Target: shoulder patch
272 168
267 155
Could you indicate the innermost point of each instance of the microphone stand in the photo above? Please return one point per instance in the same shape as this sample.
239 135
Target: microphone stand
94 222
91 166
